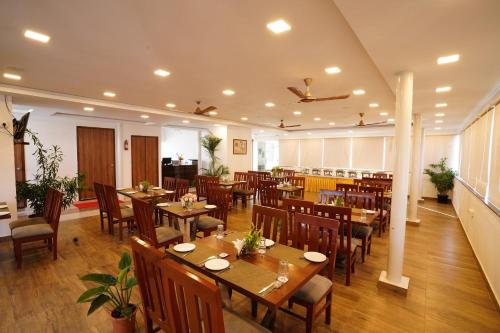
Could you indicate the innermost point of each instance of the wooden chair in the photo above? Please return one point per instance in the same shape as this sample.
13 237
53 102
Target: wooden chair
346 187
320 235
379 205
38 232
220 197
115 213
169 183
329 196
244 190
202 183
158 237
268 193
272 221
345 244
293 206
47 211
361 232
99 193
299 181
181 188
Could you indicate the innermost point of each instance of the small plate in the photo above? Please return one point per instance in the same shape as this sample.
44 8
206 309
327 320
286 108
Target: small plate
217 264
223 255
210 206
315 256
169 191
300 186
4 213
3 206
156 188
371 212
184 247
162 204
269 242
131 192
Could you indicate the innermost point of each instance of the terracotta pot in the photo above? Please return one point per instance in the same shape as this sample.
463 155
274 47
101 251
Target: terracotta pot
442 198
123 324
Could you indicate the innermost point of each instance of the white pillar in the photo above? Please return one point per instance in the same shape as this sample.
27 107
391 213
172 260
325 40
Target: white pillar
421 167
415 169
393 277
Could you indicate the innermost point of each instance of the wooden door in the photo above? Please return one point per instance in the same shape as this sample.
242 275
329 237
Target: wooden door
20 165
145 161
96 158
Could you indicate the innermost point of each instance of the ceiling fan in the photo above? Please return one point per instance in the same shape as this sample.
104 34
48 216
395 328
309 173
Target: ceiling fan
201 111
361 123
306 97
282 125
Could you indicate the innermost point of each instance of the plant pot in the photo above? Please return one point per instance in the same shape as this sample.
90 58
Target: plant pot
123 324
442 198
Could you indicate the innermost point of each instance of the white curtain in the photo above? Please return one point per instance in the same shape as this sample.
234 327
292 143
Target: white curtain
311 153
368 153
337 153
494 192
289 153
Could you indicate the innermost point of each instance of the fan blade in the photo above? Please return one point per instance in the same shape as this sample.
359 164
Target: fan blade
384 124
297 92
293 125
378 123
331 98
208 109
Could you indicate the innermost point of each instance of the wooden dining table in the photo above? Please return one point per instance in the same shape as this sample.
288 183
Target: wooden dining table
288 189
231 183
4 212
176 210
250 274
149 195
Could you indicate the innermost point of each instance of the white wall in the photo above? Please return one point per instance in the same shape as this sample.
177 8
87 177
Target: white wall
239 162
482 228
7 169
183 141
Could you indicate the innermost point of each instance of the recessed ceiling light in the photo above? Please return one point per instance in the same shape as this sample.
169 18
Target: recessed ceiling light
36 36
440 114
309 133
269 104
390 120
261 131
448 59
317 119
438 121
350 131
144 116
12 76
244 118
285 134
443 89
212 113
88 108
384 113
437 128
109 94
170 105
331 123
373 105
278 26
297 113
441 105
217 125
162 72
332 70
228 92
358 92
185 121
149 123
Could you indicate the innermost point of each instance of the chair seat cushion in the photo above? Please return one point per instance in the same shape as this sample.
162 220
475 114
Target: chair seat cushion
354 243
208 222
361 231
235 323
165 234
127 212
23 223
314 290
32 230
238 191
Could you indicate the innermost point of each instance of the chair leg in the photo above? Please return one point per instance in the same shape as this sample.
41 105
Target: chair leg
54 247
18 250
363 249
369 241
380 228
102 220
149 325
290 304
49 244
328 309
348 265
120 229
254 308
309 318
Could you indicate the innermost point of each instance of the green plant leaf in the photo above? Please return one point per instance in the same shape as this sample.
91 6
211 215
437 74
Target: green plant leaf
97 303
125 261
122 274
104 279
87 295
132 282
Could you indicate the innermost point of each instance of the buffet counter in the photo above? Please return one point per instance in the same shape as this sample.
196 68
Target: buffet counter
316 183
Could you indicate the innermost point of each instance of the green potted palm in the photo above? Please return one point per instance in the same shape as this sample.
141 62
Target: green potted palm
442 177
115 294
210 143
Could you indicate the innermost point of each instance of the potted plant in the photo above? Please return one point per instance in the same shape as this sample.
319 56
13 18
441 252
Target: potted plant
113 293
251 240
276 171
144 186
180 157
35 191
209 143
442 177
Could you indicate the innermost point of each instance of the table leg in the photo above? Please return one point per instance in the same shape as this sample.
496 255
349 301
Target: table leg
193 226
269 318
226 298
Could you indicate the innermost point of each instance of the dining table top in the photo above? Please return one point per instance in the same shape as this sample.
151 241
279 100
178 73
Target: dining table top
4 212
231 183
176 209
155 192
250 274
289 188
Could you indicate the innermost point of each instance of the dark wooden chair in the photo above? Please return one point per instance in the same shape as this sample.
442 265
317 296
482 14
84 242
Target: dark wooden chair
181 188
220 197
47 210
245 190
268 193
272 221
157 236
169 183
101 201
360 232
115 213
293 206
40 232
346 247
346 187
379 206
202 183
329 196
318 234
300 182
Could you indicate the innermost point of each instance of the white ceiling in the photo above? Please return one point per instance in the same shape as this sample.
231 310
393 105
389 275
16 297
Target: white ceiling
209 46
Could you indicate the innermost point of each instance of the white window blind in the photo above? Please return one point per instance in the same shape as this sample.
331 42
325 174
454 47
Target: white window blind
494 183
368 153
289 153
311 153
337 152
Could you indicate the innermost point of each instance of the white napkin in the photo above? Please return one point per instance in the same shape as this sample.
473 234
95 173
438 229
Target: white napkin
238 244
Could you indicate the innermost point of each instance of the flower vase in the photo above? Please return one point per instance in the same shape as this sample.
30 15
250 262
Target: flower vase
189 206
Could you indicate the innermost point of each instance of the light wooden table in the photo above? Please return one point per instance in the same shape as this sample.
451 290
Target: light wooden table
177 211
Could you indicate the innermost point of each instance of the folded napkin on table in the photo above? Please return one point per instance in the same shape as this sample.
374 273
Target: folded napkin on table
238 244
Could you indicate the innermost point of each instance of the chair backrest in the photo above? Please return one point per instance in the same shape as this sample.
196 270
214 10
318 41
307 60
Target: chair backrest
55 211
221 197
48 205
329 196
360 200
252 182
201 183
112 203
272 221
343 216
143 212
293 206
181 188
379 195
378 182
346 187
319 234
299 181
268 193
242 177
169 183
149 274
288 173
99 193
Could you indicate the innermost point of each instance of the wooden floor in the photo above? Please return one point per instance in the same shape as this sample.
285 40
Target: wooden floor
447 291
